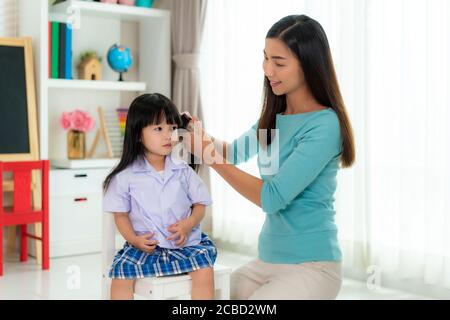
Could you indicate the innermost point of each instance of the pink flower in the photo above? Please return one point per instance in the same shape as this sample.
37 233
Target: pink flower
89 123
64 121
77 120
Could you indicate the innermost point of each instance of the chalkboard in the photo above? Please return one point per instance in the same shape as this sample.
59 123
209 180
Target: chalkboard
18 125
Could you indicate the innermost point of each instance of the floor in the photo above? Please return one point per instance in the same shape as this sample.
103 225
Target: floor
78 277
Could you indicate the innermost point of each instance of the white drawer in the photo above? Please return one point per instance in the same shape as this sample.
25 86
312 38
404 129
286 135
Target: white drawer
77 181
75 224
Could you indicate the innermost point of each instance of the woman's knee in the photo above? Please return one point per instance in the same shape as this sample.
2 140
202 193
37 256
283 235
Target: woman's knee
308 281
241 285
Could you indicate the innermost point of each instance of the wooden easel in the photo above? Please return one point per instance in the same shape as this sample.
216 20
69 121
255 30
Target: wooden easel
29 95
101 132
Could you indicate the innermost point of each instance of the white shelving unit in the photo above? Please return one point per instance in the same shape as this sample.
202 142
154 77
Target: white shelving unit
84 164
145 30
96 85
114 11
76 186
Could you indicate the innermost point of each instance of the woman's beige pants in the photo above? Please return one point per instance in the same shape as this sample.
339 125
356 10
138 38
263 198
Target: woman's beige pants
258 280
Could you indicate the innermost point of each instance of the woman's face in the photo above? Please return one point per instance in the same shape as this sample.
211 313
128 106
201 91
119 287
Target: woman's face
282 68
159 139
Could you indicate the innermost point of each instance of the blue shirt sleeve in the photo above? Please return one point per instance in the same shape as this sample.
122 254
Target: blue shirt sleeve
197 191
315 149
117 197
244 147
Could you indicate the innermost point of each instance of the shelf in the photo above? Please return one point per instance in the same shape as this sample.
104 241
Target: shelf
106 10
96 85
84 163
101 25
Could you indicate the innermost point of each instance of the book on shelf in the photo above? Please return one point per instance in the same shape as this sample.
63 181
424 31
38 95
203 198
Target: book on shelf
60 50
68 52
55 49
49 49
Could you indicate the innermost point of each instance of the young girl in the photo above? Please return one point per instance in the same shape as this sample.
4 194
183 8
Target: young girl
158 204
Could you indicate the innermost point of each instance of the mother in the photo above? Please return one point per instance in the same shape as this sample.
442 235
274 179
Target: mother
309 136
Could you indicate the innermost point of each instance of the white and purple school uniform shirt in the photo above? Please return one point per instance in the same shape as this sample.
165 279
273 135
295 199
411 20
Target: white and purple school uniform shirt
154 201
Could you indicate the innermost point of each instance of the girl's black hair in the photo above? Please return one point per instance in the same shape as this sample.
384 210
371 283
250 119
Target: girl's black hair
145 110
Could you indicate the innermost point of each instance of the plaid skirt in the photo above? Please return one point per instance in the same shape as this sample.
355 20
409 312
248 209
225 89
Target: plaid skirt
132 263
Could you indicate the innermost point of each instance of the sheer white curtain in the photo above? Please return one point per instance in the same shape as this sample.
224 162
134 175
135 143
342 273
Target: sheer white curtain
392 62
409 173
9 18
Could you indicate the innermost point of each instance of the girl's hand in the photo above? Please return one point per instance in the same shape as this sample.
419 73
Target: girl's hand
144 242
180 231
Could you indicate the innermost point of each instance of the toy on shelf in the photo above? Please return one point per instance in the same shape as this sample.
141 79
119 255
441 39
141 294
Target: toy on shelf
102 132
138 3
144 3
122 116
120 59
90 67
127 2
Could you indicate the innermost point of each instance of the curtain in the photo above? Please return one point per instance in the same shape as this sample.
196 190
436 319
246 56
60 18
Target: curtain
9 18
392 63
409 201
187 25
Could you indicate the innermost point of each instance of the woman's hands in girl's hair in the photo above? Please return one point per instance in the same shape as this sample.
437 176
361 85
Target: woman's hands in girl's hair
144 242
198 137
191 123
180 231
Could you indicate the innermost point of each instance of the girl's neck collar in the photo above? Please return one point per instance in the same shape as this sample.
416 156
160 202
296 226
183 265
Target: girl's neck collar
156 161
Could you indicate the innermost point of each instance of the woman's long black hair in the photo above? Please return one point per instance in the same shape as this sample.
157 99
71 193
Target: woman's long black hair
307 40
145 110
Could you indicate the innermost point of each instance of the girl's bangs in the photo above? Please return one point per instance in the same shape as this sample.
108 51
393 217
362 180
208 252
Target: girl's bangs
170 116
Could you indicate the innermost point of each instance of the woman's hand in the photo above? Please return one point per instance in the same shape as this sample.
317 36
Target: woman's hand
193 119
180 231
144 242
199 143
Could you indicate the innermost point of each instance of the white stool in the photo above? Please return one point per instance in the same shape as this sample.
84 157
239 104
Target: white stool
158 288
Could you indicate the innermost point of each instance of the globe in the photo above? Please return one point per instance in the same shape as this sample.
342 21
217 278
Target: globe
120 59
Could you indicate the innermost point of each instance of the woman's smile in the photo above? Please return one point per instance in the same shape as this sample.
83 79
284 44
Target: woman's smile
275 83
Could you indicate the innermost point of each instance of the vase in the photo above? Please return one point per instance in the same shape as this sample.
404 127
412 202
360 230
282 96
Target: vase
76 144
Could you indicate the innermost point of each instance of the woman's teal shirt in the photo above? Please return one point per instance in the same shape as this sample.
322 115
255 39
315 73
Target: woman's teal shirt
299 182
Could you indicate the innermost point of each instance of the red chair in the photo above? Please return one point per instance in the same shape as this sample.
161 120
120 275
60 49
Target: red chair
22 211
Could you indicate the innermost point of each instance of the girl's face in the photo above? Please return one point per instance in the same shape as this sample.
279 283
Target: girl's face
159 139
282 68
